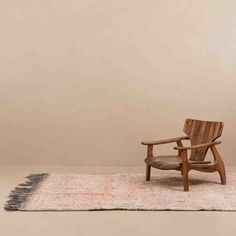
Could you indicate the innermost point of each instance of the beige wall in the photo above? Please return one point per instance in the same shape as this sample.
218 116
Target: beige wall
83 82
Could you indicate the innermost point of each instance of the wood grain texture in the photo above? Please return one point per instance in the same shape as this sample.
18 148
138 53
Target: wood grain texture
200 132
199 146
164 162
202 136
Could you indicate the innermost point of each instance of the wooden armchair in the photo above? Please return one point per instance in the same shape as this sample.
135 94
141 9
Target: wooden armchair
202 135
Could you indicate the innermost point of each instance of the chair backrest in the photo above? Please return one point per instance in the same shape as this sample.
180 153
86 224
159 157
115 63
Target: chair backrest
199 132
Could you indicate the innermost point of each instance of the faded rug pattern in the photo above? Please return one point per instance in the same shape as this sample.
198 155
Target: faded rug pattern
131 192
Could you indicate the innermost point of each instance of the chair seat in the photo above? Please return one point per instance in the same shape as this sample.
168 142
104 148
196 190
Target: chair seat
164 162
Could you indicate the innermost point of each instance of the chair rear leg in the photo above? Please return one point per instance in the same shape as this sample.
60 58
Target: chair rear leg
221 171
220 166
148 172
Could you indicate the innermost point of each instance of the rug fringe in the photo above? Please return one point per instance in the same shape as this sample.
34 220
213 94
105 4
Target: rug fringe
19 195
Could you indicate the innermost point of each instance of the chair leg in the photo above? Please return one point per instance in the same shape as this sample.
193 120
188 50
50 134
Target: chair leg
220 164
148 172
185 171
222 174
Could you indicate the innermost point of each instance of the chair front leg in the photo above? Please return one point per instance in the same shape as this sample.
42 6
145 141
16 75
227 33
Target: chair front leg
149 155
180 144
148 172
185 169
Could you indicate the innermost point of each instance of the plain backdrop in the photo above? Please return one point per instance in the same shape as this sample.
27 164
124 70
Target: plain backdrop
82 82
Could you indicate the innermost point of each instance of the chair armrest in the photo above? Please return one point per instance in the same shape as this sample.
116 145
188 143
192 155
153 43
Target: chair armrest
171 140
198 146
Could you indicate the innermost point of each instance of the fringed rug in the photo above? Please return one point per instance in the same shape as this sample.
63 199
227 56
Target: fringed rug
53 192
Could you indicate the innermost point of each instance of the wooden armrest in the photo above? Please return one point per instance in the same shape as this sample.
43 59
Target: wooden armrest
171 140
198 146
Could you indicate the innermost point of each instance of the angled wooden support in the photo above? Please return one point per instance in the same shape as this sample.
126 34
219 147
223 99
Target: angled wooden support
220 167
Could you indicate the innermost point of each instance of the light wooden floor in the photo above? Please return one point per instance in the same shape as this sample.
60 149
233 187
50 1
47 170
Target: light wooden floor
104 223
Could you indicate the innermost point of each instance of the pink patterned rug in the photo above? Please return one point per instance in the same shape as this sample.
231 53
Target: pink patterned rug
55 192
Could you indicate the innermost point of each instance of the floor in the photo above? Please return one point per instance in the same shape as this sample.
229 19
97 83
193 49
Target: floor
104 222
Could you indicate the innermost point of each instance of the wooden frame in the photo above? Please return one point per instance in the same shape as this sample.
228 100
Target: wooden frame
202 135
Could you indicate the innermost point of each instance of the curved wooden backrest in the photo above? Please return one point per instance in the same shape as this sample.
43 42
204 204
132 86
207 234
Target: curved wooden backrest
199 132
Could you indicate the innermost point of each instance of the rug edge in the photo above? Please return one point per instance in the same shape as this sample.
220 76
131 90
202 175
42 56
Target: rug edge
22 192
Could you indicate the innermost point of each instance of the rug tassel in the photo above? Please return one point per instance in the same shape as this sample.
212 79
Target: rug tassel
19 195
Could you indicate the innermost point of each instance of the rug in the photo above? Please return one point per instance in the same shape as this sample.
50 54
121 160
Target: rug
69 192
